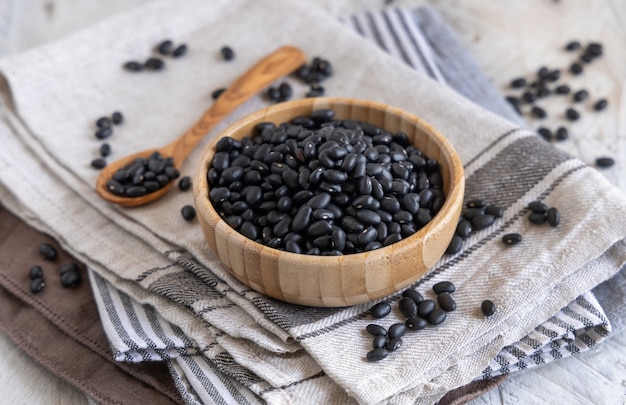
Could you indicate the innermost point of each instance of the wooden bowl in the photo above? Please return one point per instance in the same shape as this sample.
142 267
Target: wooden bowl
333 281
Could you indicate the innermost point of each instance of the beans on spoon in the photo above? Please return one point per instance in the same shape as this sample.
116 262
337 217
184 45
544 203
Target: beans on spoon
279 63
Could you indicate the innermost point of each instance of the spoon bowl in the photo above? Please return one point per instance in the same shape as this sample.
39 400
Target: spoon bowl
277 64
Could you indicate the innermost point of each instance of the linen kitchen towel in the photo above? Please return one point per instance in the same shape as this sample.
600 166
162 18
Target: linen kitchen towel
46 175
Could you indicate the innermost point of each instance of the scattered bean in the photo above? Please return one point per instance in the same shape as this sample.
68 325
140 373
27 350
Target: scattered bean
600 104
105 150
539 112
227 53
518 83
553 216
605 162
572 114
444 286
154 64
47 251
415 323
580 95
188 212
375 329
133 66
512 238
487 307
377 354
379 341
394 344
70 275
537 218
165 47
98 163
446 302
37 285
179 51
184 183
396 330
103 122
436 316
572 46
561 134
576 68
35 272
380 310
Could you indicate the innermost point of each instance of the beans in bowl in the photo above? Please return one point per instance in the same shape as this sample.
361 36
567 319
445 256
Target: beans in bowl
321 186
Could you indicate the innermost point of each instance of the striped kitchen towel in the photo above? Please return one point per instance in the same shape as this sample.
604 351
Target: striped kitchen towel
282 352
435 51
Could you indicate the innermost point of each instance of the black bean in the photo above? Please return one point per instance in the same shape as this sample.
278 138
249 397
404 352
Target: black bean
512 238
302 218
545 133
562 133
538 112
379 341
514 101
366 236
482 221
285 91
455 245
165 47
394 344
380 310
154 64
408 307
538 206
437 316
415 323
413 294
70 279
464 229
444 286
37 285
518 83
469 213
576 68
47 251
446 302
105 150
476 203
35 272
133 66
528 97
117 117
227 53
605 162
580 95
553 216
537 218
188 212
217 92
543 72
396 330
375 329
425 307
104 132
377 354
392 238
600 104
572 46
554 75
494 210
103 122
184 183
70 275
562 89
179 51
572 114
323 115
368 217
98 163
487 307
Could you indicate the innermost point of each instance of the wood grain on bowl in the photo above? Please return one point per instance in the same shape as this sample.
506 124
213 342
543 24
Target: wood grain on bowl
332 281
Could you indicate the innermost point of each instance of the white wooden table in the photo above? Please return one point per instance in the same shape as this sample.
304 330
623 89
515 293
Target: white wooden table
509 38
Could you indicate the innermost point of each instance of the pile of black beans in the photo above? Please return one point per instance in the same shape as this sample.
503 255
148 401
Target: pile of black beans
418 312
143 176
546 83
155 63
477 215
322 186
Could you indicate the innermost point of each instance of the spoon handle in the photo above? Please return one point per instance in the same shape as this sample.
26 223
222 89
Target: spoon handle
277 64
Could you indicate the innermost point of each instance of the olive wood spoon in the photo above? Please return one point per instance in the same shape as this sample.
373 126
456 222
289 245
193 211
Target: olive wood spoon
277 64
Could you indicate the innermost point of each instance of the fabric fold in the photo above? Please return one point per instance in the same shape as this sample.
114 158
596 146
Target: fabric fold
157 259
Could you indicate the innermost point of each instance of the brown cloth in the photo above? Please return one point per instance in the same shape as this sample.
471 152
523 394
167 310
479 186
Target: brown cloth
61 329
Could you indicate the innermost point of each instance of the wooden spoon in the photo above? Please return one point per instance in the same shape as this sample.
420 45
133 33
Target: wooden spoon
277 64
